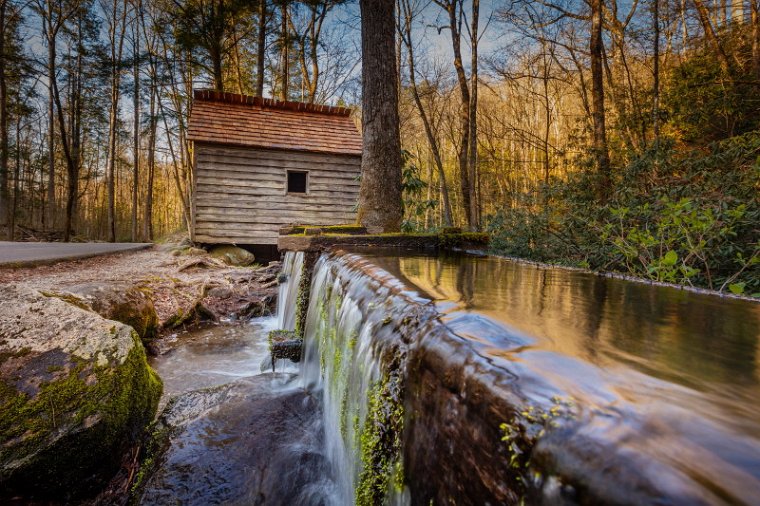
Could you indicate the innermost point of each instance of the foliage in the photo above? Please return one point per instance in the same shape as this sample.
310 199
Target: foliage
685 217
412 187
707 103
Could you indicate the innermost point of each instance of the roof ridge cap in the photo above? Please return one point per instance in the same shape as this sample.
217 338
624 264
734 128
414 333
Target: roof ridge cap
207 95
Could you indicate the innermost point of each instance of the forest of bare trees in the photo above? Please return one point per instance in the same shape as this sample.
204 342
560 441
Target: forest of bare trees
598 133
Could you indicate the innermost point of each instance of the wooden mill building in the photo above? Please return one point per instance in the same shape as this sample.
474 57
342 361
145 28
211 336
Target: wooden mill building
261 164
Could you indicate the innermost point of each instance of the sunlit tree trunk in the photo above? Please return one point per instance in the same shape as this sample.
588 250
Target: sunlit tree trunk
380 191
406 33
601 151
455 25
136 125
261 41
284 52
117 31
472 169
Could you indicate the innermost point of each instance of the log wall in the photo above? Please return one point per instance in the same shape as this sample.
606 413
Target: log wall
240 194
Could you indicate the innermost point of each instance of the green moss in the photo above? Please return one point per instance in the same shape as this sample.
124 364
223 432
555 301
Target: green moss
99 409
380 442
302 301
284 344
5 355
156 444
143 319
71 299
447 240
333 229
526 427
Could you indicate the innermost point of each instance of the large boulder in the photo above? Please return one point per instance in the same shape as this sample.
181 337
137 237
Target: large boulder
122 302
75 392
255 441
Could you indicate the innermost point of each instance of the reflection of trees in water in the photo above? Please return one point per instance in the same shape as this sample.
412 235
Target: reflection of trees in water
684 337
671 334
465 281
596 288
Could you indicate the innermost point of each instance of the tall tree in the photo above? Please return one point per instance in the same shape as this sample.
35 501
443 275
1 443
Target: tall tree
4 197
73 147
380 192
407 12
284 43
455 15
54 14
150 40
261 47
596 50
117 23
215 27
472 162
136 116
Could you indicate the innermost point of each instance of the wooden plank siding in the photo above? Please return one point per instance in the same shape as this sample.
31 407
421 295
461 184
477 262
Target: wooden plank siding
240 192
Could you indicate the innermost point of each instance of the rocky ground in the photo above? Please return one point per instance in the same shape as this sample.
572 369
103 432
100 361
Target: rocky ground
70 375
182 283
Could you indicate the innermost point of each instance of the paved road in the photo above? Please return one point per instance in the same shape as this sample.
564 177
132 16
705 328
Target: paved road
36 253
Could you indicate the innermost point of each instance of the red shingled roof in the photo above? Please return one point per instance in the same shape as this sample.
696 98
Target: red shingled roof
228 118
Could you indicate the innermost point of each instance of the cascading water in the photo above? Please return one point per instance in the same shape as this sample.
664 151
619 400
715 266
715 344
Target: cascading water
292 270
357 380
432 391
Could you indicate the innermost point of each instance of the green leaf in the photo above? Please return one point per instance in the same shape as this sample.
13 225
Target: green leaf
737 288
670 258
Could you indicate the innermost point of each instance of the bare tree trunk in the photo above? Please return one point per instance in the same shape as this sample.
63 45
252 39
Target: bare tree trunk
737 11
136 133
148 217
547 118
73 156
432 141
118 28
16 183
48 215
4 197
284 53
656 72
704 17
474 218
601 151
755 20
455 23
261 47
380 193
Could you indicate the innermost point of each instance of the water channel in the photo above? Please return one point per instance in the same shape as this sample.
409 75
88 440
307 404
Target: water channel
472 380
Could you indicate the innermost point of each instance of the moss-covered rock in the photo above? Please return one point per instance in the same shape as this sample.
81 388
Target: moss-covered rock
129 304
285 344
232 255
75 392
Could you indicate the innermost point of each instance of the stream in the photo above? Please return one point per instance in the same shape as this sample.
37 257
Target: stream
468 380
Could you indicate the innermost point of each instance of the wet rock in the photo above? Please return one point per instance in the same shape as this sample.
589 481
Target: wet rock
250 442
285 344
75 393
129 304
232 255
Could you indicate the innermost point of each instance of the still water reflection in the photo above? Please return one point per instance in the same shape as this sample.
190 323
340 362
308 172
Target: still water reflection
701 352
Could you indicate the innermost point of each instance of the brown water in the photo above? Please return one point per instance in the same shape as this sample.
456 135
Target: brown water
668 375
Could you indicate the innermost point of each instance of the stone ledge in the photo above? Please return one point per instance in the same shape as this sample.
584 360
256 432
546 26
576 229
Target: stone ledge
467 240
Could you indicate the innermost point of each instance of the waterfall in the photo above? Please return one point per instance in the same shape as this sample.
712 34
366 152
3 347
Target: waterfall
292 270
344 362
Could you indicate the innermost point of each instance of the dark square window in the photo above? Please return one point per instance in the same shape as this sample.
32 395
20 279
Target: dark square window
296 181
